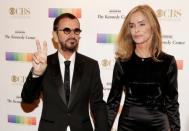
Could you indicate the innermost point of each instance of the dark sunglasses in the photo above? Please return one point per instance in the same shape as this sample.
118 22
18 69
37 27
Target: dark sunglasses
67 31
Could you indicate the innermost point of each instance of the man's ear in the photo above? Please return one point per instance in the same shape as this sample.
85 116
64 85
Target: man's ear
55 36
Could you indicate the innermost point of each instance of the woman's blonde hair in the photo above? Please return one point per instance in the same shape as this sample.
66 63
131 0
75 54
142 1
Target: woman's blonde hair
125 44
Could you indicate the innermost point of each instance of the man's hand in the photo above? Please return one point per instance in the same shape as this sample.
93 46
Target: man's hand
39 60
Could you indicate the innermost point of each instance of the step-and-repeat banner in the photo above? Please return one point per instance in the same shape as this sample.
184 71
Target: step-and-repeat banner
23 21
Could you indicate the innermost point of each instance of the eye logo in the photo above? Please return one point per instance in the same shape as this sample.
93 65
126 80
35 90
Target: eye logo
159 13
14 78
105 63
12 11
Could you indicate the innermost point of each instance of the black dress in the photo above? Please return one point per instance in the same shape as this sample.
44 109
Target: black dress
151 101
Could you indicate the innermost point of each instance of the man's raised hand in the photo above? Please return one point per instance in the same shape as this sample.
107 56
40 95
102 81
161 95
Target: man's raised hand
39 61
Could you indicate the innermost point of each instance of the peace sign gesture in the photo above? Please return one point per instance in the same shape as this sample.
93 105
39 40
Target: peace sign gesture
39 60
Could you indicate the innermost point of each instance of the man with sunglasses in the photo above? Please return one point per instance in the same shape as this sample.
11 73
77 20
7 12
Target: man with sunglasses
68 90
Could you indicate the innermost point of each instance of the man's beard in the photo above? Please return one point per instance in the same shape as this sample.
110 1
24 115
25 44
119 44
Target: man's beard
73 48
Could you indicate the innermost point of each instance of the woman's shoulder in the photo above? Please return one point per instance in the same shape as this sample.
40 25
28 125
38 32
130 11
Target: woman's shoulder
167 59
166 56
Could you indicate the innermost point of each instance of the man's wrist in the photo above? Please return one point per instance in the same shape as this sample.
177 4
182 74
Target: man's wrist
34 75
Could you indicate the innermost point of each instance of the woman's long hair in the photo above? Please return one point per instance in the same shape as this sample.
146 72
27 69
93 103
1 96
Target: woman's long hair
125 45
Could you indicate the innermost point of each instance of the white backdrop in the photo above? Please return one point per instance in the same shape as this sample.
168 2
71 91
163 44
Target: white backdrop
23 21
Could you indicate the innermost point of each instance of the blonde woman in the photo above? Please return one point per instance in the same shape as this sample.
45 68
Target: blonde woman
146 74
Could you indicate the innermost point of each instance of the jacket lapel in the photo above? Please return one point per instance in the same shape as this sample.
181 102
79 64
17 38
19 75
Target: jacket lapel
77 75
57 77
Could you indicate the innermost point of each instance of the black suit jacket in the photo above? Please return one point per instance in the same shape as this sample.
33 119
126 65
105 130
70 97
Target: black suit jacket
86 90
